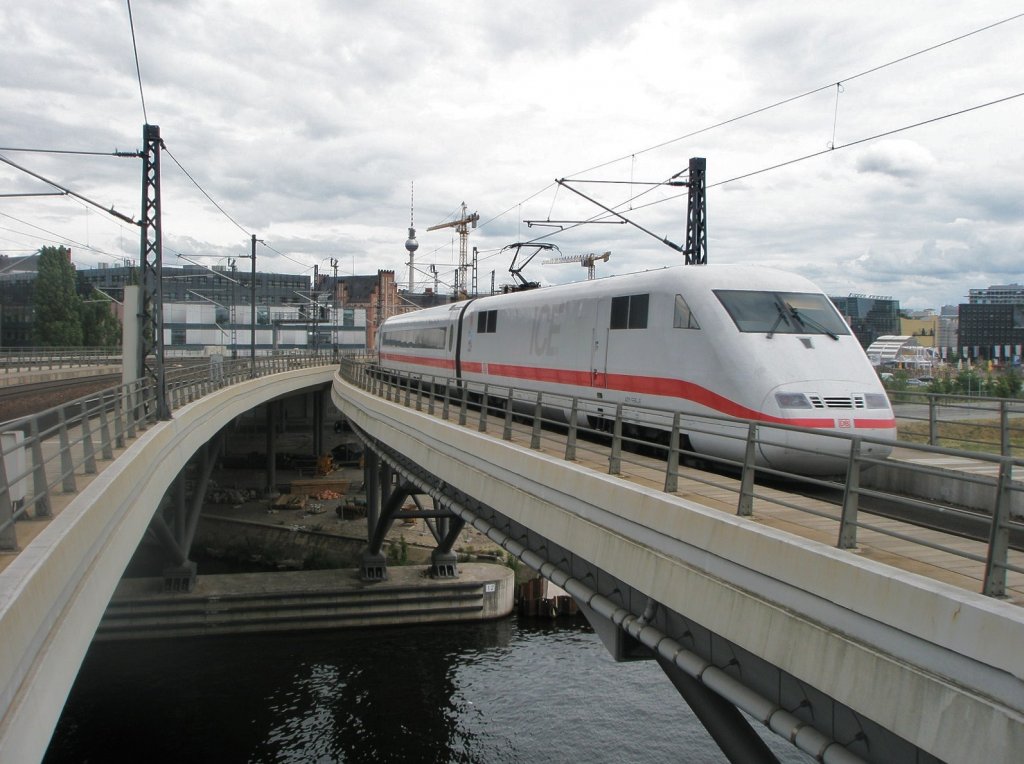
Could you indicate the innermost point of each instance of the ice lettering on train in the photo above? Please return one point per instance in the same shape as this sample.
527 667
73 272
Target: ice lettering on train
547 325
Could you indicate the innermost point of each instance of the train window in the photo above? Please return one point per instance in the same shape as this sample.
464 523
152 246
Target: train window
782 312
620 312
630 311
423 337
487 322
684 318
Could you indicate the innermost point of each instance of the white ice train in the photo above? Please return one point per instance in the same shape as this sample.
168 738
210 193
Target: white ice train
739 341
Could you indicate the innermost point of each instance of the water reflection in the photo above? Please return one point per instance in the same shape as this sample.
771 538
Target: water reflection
498 692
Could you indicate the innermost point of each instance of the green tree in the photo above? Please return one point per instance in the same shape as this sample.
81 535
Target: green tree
968 382
58 321
1007 385
100 327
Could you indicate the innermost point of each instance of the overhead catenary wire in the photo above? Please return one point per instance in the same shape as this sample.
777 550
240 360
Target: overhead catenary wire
64 191
224 212
795 160
760 110
134 154
138 70
60 238
114 153
806 94
631 155
282 254
874 137
97 205
204 192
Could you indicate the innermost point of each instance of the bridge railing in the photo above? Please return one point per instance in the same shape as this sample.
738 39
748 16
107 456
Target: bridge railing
26 359
626 432
44 454
994 425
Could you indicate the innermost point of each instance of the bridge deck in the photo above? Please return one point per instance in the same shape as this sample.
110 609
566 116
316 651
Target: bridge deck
813 519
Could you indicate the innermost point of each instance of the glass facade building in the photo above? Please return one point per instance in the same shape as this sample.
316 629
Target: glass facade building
869 317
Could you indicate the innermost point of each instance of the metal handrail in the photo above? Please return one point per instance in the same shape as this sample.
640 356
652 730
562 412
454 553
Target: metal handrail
946 414
41 454
26 359
455 398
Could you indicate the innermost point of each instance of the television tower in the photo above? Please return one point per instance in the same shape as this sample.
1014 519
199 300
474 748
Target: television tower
411 245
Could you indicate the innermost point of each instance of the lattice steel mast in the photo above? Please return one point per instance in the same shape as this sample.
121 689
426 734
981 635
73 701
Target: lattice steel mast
151 335
696 249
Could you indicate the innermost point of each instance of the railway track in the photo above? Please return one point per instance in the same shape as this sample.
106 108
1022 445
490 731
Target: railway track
958 521
18 401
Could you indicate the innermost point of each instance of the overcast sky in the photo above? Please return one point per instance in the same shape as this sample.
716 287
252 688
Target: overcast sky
306 122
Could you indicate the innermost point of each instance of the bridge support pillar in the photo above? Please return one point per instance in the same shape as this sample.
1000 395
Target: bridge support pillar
272 413
370 478
177 518
375 564
374 567
180 578
730 729
444 564
318 423
386 498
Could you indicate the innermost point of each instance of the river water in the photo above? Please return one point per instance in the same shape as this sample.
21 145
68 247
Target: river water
505 691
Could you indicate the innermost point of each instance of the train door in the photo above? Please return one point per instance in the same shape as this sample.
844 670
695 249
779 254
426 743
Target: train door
599 345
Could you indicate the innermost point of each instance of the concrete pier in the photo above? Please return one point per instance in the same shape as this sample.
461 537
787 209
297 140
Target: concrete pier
304 600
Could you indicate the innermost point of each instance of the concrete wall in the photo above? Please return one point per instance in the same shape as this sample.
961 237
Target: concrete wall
978 494
280 543
307 600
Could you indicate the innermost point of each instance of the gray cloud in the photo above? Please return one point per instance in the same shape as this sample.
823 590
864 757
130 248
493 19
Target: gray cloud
307 122
904 160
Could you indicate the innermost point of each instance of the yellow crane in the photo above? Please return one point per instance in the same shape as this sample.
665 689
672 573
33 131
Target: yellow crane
462 226
587 261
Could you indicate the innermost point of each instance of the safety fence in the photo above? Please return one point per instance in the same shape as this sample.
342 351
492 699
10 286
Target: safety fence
994 425
29 359
627 436
44 454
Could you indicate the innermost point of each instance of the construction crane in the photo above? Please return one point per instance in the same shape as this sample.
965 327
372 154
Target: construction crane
587 261
462 226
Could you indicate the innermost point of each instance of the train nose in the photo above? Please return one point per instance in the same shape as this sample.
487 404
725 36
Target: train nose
825 415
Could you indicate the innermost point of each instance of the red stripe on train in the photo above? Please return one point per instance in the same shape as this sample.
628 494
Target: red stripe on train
437 363
632 383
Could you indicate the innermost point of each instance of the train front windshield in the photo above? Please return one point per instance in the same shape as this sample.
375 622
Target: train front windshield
782 312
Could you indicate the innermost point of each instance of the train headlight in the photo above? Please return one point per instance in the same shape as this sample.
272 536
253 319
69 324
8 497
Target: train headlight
876 400
792 401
